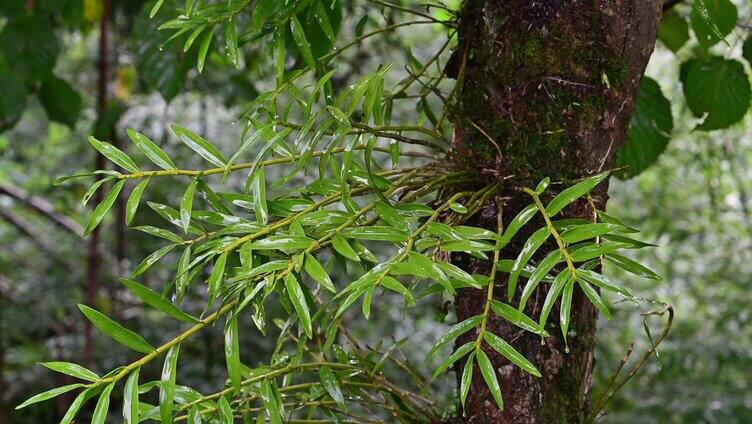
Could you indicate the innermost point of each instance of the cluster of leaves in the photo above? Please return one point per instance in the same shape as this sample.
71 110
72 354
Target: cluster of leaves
716 88
395 227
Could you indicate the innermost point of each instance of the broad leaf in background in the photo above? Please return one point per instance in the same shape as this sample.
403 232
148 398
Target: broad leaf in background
712 20
717 87
674 31
649 130
60 101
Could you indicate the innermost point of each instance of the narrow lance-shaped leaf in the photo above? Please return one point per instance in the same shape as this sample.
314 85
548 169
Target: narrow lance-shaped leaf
454 332
225 411
101 210
573 193
114 154
199 145
157 301
49 394
76 405
131 206
528 250
130 398
258 191
299 303
519 221
314 268
232 351
467 378
167 388
215 279
203 49
329 381
118 333
152 259
186 205
594 297
451 359
507 351
489 375
151 150
103 405
553 293
631 266
566 309
74 370
301 41
343 248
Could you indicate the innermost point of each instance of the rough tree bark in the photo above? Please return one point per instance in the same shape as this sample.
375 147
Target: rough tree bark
547 88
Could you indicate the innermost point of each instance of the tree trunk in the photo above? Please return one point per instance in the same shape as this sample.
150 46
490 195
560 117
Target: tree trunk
547 88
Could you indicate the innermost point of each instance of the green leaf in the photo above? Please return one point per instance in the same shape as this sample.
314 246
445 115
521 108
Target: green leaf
467 378
114 154
553 293
133 200
594 297
314 268
258 190
454 357
631 266
199 145
270 402
74 370
152 259
231 43
394 285
167 388
60 101
159 232
377 233
76 405
232 352
466 246
130 398
516 317
186 205
329 381
342 246
713 20
49 394
541 271
649 130
218 272
458 274
747 49
116 331
506 350
457 207
390 216
103 405
566 309
150 150
157 301
719 88
454 332
431 269
674 31
297 297
528 250
101 210
574 192
203 48
603 282
519 221
587 231
322 18
489 375
282 243
225 411
155 8
301 41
